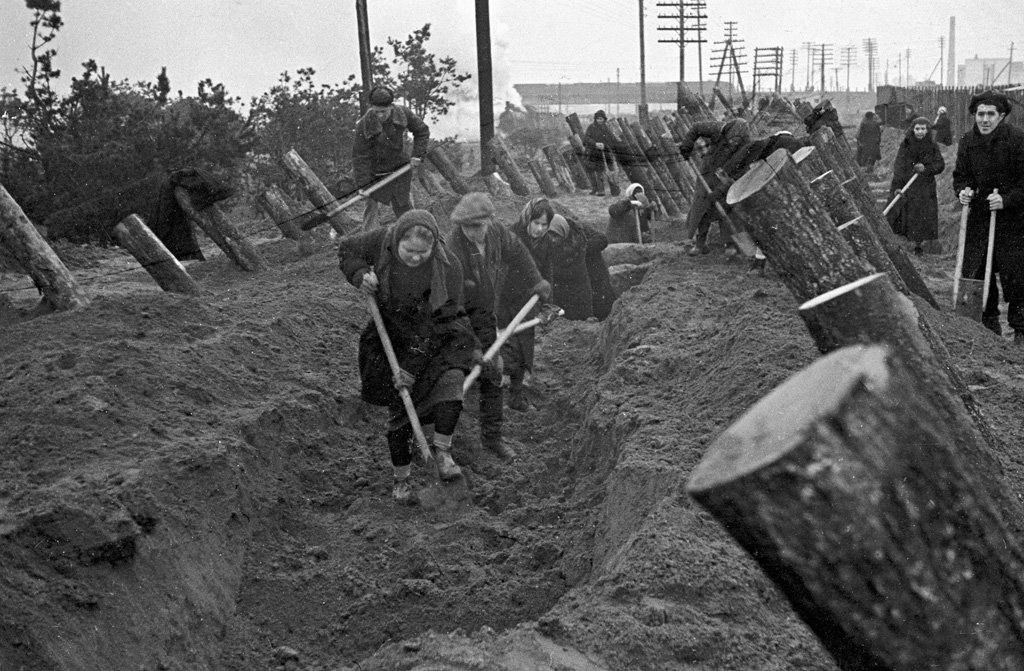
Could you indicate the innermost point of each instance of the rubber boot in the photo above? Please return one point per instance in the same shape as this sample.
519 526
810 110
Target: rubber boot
402 490
447 469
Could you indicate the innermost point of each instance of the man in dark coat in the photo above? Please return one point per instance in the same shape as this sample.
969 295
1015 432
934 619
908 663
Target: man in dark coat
990 156
730 153
378 149
869 141
495 265
824 114
601 147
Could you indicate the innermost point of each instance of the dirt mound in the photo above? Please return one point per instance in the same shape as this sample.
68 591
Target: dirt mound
193 483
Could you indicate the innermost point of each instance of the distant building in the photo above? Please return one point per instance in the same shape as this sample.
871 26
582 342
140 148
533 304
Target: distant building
615 98
989 71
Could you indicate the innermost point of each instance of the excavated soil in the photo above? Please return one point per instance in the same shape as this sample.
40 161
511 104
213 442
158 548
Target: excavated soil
193 483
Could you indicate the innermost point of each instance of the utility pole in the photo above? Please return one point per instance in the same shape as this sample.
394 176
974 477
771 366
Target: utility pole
682 40
908 67
618 91
1009 71
826 57
951 61
363 28
849 58
642 110
899 67
942 54
483 67
809 46
792 63
871 47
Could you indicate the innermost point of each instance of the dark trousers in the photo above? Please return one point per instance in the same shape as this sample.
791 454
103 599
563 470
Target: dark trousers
444 416
492 398
598 176
1008 266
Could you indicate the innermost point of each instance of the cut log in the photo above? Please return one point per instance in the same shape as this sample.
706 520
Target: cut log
865 244
540 174
576 169
834 197
581 155
808 160
133 234
439 159
662 174
644 173
845 484
575 126
236 246
318 194
23 242
559 168
275 204
668 151
503 159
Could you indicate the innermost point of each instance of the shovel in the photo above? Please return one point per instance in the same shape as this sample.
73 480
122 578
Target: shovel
969 295
899 194
435 494
743 241
548 314
639 232
318 217
503 336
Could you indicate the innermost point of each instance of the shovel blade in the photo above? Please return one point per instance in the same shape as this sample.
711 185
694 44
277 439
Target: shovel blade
968 298
451 496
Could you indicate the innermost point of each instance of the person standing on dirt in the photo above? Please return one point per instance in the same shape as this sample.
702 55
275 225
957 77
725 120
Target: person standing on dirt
378 149
728 147
601 146
497 266
624 214
824 114
990 156
943 127
869 141
418 285
916 216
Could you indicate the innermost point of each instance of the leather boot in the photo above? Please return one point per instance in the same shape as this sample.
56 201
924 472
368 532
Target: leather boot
517 396
500 449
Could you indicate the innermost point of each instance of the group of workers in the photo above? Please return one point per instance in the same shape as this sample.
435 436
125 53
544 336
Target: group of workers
444 302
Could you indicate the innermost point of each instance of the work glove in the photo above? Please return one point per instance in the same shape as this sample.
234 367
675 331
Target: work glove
415 161
600 145
542 289
405 379
636 203
919 167
494 369
965 195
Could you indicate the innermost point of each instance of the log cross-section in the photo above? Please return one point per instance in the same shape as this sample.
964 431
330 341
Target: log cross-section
847 487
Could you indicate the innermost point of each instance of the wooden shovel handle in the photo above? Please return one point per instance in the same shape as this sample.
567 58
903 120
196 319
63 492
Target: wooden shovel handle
502 338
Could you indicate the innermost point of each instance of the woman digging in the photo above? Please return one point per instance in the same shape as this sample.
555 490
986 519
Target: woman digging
917 216
417 284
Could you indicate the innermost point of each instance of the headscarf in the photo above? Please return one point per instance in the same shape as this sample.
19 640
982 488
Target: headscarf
559 227
599 114
530 211
441 263
633 188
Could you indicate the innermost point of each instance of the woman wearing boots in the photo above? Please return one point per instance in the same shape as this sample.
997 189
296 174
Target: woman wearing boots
917 214
418 286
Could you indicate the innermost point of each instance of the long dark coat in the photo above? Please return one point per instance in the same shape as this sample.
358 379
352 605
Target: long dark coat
581 284
430 336
869 142
943 129
917 214
596 158
378 148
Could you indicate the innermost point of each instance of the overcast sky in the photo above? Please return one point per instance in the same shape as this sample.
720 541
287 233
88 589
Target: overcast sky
246 44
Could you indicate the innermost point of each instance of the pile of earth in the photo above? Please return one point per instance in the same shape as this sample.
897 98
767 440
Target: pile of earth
193 483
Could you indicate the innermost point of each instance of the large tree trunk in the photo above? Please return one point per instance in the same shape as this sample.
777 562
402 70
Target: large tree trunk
236 246
642 172
275 204
540 174
581 155
580 177
58 287
846 485
575 126
437 156
503 159
669 152
132 234
662 174
559 168
318 194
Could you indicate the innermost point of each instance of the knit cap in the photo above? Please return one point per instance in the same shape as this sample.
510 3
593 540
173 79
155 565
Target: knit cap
472 207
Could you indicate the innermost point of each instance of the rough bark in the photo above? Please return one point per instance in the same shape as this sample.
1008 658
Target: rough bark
576 169
581 155
846 486
503 159
559 168
275 204
22 241
236 246
318 194
669 152
439 159
662 174
132 234
862 239
575 125
643 172
547 186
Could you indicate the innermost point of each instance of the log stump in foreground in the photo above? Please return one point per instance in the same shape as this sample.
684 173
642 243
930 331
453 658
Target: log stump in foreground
132 234
318 194
439 159
236 246
20 238
845 485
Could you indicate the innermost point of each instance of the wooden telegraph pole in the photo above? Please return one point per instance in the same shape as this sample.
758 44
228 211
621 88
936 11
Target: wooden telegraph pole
642 111
483 66
363 27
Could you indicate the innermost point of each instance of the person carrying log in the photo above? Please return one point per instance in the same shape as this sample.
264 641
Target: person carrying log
916 216
602 147
728 156
630 217
378 149
497 267
990 157
418 285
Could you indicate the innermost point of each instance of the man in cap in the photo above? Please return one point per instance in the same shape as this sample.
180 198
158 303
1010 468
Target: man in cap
990 158
601 147
498 273
379 149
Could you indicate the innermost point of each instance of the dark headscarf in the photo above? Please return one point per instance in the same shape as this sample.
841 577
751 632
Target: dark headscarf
440 261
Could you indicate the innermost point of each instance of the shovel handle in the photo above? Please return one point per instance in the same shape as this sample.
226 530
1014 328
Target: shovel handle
363 193
403 392
961 243
639 231
899 194
988 254
502 338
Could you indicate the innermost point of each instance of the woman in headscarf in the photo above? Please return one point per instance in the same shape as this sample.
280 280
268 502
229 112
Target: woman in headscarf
418 286
624 214
916 216
943 128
